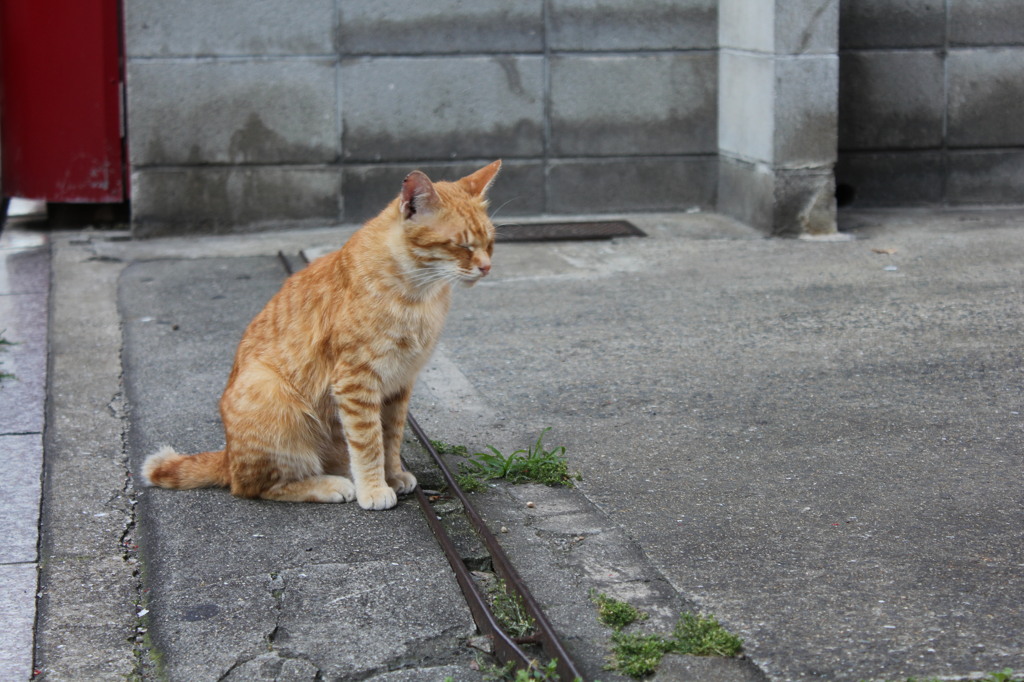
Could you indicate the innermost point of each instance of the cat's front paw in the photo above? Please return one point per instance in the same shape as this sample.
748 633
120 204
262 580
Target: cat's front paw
402 483
338 489
376 498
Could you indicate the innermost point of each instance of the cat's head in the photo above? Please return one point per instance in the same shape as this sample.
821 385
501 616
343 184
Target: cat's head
447 229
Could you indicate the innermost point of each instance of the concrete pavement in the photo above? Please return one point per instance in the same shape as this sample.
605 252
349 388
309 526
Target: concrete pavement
818 442
821 443
24 289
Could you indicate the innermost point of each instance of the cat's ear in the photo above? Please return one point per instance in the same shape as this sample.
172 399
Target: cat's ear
479 182
419 198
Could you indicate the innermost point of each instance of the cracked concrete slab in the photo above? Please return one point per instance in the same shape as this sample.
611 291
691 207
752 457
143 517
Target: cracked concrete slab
389 614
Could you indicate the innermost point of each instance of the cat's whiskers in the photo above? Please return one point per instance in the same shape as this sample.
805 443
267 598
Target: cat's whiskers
425 277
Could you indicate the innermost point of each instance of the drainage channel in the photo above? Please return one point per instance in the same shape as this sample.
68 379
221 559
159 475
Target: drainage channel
507 649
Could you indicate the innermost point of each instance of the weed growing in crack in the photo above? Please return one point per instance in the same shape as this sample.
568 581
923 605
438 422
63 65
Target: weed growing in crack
4 343
639 654
509 610
614 613
532 465
703 636
535 673
470 484
1004 675
444 448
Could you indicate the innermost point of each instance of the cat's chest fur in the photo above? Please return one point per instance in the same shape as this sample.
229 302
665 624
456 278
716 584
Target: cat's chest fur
405 338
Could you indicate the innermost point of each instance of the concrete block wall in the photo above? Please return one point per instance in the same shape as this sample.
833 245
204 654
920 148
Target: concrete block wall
931 102
275 113
250 114
777 113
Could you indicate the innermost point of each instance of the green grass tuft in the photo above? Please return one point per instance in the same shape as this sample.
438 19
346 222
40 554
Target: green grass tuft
533 465
4 343
470 484
700 636
444 448
639 654
508 673
509 610
614 613
1004 675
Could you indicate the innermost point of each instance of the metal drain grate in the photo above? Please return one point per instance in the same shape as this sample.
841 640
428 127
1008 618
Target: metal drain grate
541 232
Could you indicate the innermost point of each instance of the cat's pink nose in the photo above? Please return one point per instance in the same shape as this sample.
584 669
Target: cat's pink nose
484 268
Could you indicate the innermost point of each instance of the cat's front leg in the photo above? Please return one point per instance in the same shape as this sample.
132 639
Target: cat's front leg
393 422
359 410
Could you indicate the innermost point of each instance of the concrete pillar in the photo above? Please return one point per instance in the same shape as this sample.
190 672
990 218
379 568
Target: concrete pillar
777 113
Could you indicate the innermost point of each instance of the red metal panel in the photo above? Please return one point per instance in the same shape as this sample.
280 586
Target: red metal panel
60 93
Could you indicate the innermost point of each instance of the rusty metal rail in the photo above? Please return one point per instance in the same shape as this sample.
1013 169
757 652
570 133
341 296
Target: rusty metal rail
506 648
546 635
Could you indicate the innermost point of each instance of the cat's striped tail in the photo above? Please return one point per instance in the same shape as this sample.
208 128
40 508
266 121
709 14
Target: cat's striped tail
167 469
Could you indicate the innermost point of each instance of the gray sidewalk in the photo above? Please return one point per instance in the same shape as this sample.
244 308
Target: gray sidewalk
817 442
24 288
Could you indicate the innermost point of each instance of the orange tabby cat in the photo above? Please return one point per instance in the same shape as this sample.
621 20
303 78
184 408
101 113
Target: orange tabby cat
322 377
